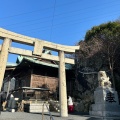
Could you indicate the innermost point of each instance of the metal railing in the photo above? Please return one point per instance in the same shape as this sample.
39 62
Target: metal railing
45 105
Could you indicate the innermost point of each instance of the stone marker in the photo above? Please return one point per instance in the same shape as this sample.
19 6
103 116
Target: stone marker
106 99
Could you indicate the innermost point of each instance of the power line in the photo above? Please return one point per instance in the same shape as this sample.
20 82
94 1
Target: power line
54 15
48 27
52 21
38 10
73 23
56 25
29 31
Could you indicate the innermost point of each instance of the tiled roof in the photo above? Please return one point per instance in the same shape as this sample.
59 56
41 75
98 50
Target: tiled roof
37 61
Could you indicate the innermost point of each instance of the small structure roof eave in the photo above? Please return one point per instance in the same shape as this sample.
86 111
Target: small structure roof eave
30 88
11 66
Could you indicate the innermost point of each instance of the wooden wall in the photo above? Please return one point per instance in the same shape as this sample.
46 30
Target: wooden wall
42 81
23 80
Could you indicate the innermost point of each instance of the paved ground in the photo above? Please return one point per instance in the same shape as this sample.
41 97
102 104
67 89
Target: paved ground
31 116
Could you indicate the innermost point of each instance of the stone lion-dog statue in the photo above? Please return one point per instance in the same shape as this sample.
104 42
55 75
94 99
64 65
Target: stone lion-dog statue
103 79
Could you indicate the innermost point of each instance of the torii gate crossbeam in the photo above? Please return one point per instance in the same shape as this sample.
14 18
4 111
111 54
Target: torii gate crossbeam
9 37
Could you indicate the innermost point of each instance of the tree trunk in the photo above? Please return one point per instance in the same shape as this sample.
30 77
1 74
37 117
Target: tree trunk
112 75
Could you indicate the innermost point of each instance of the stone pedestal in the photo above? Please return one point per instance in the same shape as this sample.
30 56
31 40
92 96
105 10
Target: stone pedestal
36 107
106 103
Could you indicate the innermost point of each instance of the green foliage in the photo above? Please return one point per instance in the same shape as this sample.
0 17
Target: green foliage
107 30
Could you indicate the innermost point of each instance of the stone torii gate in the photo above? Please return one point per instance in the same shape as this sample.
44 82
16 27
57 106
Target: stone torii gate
8 37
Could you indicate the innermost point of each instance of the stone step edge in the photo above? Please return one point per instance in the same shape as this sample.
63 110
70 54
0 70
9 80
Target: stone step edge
104 117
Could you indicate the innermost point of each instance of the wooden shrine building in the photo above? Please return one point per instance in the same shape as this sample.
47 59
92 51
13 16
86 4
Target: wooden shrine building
35 73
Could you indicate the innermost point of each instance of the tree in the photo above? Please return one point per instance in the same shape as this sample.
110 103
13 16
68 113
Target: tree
99 51
105 40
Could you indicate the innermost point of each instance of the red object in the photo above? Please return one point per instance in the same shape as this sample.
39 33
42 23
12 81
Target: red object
70 108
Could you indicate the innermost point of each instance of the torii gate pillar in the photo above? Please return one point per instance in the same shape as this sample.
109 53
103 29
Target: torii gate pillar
3 59
62 86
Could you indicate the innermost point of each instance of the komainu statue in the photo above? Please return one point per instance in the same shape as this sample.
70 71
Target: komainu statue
103 79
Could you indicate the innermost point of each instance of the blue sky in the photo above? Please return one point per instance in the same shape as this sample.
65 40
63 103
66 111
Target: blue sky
59 21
